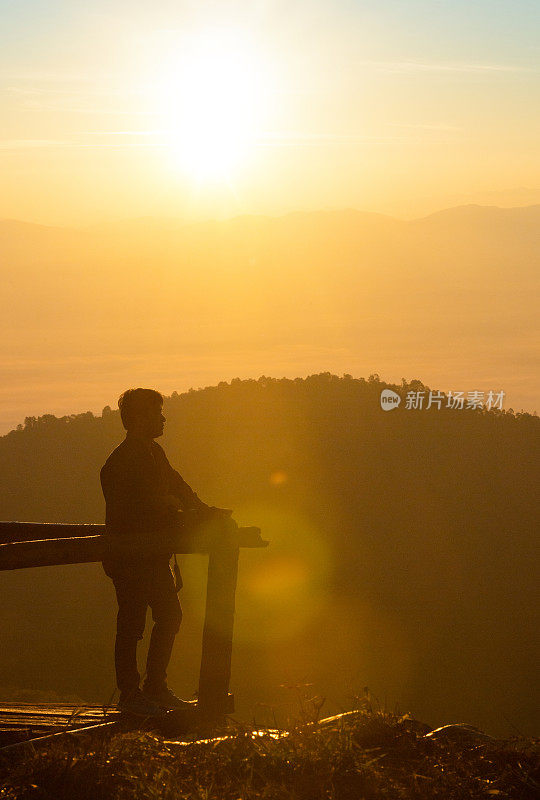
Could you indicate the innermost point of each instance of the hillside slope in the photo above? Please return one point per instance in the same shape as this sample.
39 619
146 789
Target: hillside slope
401 558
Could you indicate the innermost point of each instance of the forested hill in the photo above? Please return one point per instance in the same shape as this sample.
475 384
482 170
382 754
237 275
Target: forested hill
402 542
454 293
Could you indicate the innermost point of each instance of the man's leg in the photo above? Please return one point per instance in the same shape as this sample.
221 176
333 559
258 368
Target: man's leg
167 616
132 604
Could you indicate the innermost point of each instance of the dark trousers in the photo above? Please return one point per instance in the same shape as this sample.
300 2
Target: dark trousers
140 585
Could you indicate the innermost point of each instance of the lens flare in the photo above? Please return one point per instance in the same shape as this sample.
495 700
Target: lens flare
285 588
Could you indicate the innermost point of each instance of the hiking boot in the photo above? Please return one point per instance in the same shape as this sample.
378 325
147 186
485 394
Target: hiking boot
165 698
139 704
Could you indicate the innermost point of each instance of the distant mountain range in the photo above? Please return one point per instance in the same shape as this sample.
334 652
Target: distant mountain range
452 296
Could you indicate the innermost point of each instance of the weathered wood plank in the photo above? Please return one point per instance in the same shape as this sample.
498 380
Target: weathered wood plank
85 549
21 721
31 531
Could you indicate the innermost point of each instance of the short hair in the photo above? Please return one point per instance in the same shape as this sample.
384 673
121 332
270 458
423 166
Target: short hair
133 401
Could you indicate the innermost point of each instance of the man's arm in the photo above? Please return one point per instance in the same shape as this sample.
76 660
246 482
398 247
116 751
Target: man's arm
190 500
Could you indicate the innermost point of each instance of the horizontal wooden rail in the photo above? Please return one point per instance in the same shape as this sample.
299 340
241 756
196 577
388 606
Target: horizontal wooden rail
49 544
30 531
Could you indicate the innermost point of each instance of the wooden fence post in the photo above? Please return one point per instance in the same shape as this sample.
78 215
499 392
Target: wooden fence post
215 674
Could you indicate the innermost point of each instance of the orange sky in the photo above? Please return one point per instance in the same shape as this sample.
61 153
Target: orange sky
110 109
186 111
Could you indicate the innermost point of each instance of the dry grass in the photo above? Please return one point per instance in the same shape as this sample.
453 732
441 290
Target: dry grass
366 754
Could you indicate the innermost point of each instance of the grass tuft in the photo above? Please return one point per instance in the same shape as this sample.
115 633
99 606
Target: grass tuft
360 755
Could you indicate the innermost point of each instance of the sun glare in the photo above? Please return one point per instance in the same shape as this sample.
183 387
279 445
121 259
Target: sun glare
211 100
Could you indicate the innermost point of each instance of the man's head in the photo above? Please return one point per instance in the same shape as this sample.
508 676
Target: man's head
141 412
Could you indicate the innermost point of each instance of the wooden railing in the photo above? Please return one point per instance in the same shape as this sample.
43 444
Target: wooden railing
36 544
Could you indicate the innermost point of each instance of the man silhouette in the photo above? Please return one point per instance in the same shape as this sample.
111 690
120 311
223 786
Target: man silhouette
143 495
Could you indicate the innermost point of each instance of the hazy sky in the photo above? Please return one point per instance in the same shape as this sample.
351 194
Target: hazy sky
119 109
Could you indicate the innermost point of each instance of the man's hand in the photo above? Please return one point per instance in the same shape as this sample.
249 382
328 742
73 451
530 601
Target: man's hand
221 512
211 525
223 517
209 514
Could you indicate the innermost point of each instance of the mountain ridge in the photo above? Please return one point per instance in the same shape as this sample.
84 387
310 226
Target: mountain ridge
179 223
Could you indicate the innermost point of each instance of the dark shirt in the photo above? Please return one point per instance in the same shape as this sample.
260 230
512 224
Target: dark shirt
140 488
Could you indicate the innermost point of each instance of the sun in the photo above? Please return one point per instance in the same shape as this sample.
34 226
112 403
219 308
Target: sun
211 101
